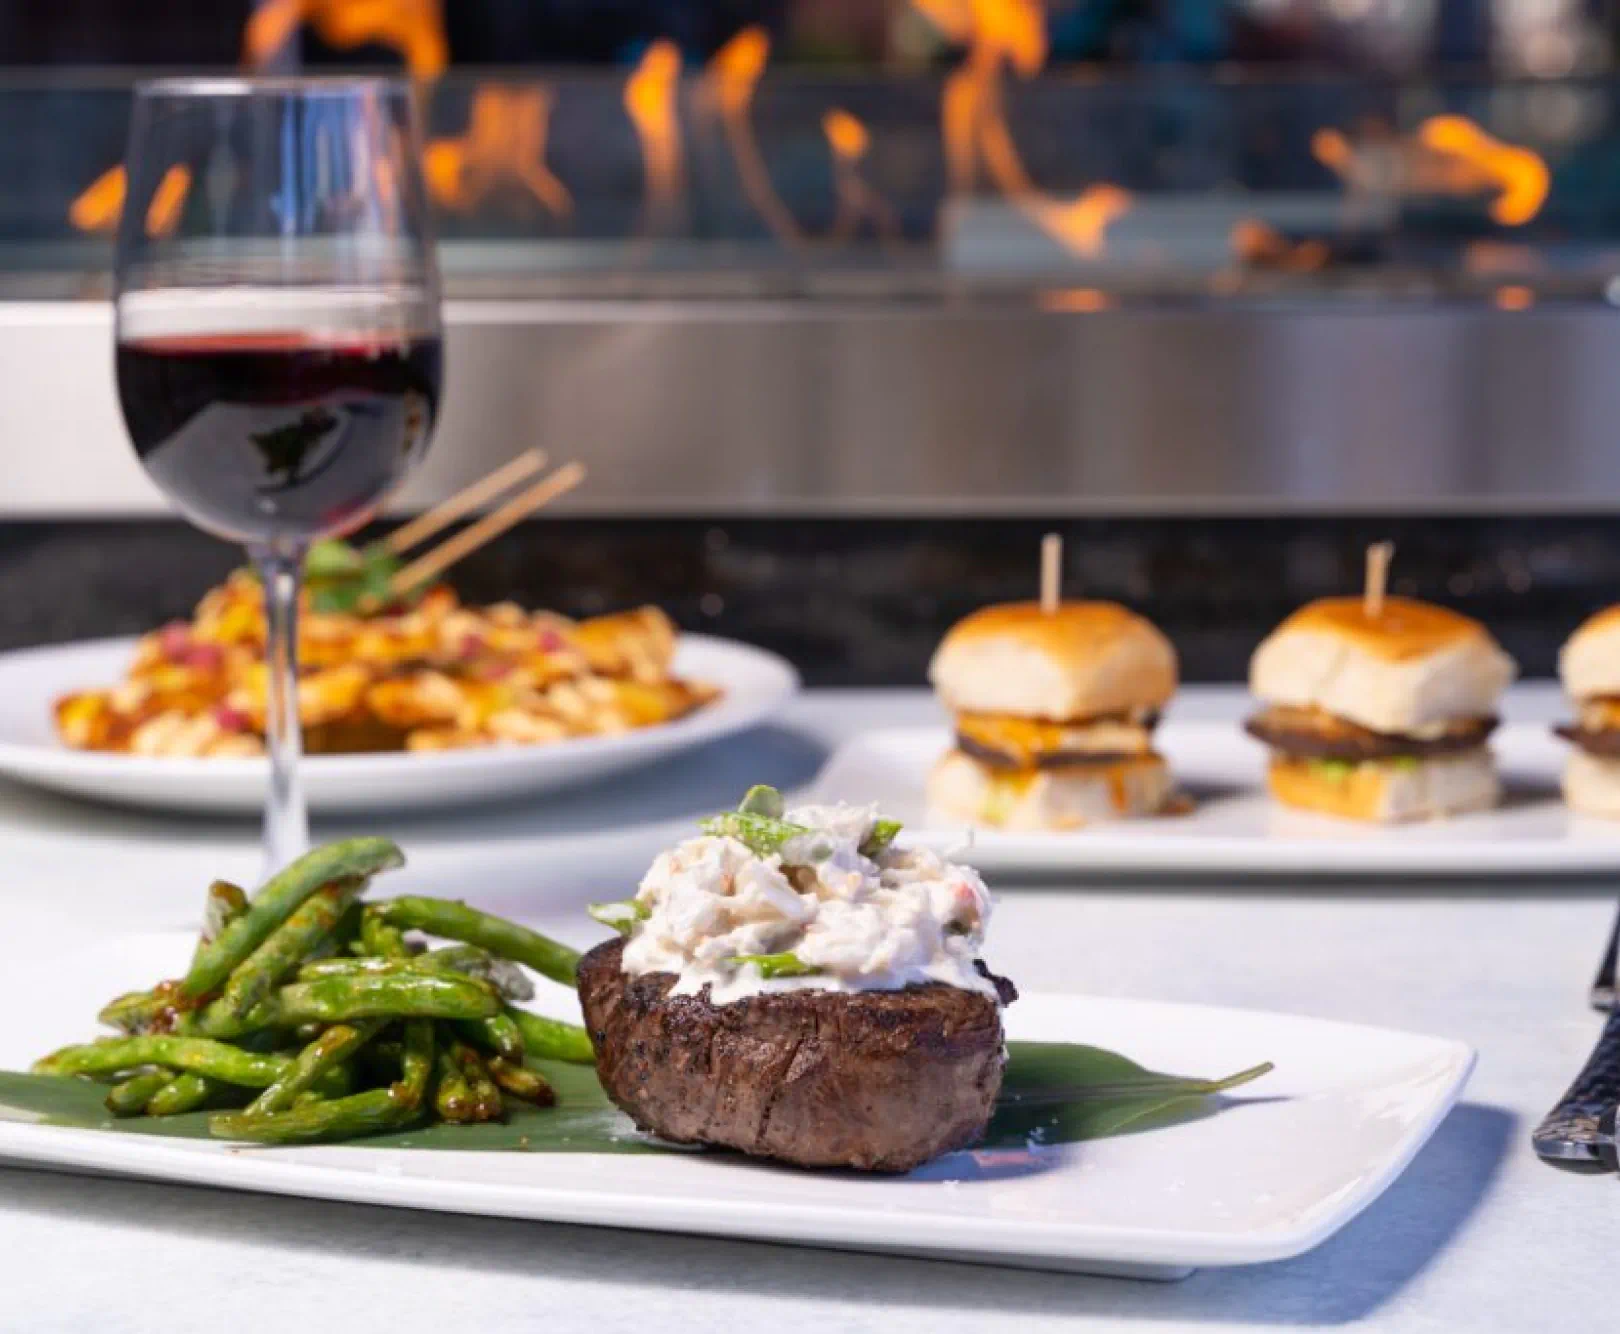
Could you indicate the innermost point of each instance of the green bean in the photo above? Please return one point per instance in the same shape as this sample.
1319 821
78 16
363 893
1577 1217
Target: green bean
466 960
456 921
334 1000
505 976
416 1063
327 1052
452 1098
130 1097
158 1010
185 1093
552 1038
284 949
199 1055
222 905
380 939
340 1118
521 1082
346 1117
499 1034
351 859
369 964
777 965
486 1094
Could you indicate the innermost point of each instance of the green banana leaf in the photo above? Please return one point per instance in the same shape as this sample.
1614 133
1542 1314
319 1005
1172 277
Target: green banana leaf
1053 1093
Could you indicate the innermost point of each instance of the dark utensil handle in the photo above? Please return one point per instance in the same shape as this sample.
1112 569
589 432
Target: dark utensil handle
1582 1127
1603 985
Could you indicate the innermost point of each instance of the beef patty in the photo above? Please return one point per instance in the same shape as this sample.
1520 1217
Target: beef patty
877 1080
1602 742
1310 735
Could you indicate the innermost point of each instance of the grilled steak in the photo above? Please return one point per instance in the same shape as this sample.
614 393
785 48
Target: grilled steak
1604 742
1310 736
877 1080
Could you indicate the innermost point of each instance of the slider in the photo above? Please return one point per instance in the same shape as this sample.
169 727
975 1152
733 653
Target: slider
1379 708
1055 705
1589 667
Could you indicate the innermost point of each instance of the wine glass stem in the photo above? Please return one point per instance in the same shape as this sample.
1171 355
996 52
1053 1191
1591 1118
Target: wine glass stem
286 822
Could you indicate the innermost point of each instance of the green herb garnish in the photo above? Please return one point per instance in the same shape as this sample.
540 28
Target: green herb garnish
777 965
621 916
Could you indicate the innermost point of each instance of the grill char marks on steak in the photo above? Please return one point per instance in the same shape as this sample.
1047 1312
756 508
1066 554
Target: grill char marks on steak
1304 735
877 1080
1601 742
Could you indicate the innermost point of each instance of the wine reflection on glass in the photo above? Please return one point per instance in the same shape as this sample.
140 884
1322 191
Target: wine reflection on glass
278 346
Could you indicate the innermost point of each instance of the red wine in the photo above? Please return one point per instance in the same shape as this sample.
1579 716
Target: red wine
273 435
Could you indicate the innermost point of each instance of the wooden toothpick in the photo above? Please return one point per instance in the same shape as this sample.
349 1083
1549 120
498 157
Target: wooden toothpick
1051 572
1379 555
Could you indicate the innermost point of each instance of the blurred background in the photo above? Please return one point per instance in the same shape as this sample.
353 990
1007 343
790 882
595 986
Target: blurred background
844 302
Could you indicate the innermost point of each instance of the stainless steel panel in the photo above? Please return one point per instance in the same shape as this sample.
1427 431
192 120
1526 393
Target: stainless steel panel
936 406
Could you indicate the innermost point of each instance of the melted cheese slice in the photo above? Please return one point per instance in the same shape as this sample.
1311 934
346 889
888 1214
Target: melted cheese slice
1601 714
1027 741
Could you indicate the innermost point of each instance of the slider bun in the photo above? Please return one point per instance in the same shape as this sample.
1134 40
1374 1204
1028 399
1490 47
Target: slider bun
961 788
1411 667
1387 793
1592 785
1083 660
1589 662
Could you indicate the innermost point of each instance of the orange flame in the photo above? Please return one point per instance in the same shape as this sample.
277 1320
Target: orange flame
99 205
729 83
1261 245
1448 155
414 28
650 96
1074 300
505 142
1003 33
1520 175
163 213
1514 297
846 136
849 141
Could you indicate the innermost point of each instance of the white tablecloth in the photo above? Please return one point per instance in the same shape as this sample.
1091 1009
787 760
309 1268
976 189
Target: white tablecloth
1476 1236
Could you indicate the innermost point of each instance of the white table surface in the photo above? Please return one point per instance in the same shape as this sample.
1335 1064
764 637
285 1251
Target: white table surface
1478 1235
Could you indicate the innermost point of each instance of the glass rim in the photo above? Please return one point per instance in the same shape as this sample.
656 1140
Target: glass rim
249 85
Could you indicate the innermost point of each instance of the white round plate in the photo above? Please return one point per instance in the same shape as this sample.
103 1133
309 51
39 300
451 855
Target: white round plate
756 684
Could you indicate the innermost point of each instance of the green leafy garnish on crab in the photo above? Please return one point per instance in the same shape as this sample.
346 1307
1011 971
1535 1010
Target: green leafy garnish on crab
777 965
757 823
621 916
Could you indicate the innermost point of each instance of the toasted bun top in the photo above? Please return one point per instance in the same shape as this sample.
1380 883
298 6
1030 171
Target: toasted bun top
1404 629
1589 663
1412 667
1083 660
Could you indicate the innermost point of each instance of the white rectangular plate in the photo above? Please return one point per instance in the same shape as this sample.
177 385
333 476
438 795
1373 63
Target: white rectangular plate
755 684
1275 1171
1235 826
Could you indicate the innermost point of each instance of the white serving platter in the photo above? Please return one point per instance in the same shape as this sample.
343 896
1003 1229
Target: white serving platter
1273 1171
1235 827
756 684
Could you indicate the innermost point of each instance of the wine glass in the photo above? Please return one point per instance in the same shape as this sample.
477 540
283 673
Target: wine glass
278 338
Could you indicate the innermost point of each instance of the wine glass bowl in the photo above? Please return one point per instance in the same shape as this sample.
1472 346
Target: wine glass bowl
278 343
